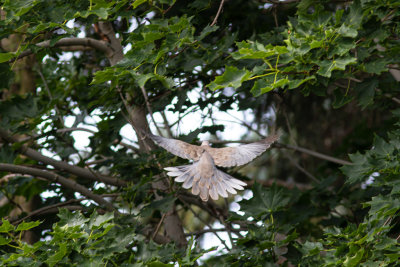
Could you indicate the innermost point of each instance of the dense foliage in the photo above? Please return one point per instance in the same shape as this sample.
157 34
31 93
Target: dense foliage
324 73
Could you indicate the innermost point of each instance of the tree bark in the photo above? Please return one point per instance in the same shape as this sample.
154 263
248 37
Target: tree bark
24 82
137 115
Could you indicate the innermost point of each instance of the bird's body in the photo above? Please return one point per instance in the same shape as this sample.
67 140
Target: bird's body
203 176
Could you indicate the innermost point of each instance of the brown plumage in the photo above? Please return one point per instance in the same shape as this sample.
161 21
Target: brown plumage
203 176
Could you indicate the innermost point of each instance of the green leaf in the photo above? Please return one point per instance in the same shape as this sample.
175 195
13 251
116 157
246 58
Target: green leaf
252 50
71 219
264 201
6 226
206 31
4 241
385 243
107 227
347 31
97 220
27 225
316 44
339 15
366 92
260 87
101 12
138 3
165 81
297 82
20 7
58 256
232 77
393 257
327 66
268 83
352 261
6 56
7 154
376 66
311 248
280 83
141 79
159 264
162 205
359 170
103 76
341 98
383 206
355 16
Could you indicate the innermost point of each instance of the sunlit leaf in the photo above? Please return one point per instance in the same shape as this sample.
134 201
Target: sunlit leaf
232 77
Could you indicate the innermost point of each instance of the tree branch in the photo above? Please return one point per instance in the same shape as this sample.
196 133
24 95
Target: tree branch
300 168
54 206
57 179
61 165
70 42
289 185
313 153
200 219
149 109
46 86
138 120
295 148
204 231
116 54
47 210
218 13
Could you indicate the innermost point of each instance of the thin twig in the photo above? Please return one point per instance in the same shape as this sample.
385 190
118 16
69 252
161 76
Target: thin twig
314 153
295 148
395 99
275 16
246 125
206 223
158 226
149 108
94 162
218 13
287 184
288 125
46 86
388 221
213 230
128 146
190 110
308 174
38 211
11 200
166 124
228 227
169 8
72 129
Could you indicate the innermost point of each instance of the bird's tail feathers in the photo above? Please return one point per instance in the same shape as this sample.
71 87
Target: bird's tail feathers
219 184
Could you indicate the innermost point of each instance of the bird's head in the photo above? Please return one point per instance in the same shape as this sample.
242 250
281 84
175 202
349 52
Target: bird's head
205 143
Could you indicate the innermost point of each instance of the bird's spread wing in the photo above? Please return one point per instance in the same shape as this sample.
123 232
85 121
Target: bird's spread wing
240 155
178 148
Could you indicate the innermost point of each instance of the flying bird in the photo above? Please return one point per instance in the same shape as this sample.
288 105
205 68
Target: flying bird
203 176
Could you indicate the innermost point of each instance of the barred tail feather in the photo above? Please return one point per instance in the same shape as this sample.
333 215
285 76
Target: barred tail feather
219 184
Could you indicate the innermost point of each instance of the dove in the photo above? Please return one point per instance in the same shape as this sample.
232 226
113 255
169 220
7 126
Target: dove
203 176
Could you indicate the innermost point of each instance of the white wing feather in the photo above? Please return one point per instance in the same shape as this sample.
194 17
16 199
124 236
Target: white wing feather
177 147
240 155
